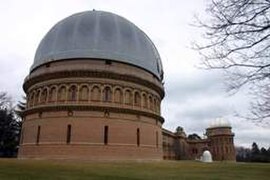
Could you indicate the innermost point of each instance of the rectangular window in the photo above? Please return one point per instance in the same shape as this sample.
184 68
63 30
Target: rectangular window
68 134
108 62
38 135
157 139
106 131
138 137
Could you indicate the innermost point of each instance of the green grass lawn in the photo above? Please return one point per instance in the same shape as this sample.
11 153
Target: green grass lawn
165 170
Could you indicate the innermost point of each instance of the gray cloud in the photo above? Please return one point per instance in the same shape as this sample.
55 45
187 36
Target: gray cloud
192 86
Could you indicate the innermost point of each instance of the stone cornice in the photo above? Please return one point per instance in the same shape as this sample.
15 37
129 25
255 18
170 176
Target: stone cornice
219 127
95 74
172 134
91 108
221 134
196 141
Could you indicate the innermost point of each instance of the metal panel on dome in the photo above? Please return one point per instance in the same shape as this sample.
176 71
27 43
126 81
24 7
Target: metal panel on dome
101 35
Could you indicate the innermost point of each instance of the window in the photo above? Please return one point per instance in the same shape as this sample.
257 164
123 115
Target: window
138 137
37 98
145 104
137 99
84 93
72 93
52 95
157 139
151 103
155 105
128 97
108 62
32 98
118 96
95 93
195 151
107 94
68 134
62 94
38 135
106 130
44 96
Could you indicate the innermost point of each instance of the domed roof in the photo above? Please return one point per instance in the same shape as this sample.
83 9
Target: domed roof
206 156
219 122
99 35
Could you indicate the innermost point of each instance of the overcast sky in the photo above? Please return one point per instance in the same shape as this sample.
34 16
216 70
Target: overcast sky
194 97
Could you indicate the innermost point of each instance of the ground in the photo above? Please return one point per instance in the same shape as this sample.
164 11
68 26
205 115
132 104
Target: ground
165 170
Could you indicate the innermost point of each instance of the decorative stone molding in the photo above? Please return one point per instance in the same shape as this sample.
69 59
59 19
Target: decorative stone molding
87 93
91 74
70 108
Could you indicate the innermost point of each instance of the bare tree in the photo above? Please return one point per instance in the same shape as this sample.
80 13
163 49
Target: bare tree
237 34
21 107
5 100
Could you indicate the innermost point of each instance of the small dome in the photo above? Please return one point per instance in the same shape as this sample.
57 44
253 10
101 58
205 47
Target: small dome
219 122
206 156
99 35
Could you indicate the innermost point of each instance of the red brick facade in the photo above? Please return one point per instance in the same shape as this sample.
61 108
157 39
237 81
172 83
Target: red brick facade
92 110
219 142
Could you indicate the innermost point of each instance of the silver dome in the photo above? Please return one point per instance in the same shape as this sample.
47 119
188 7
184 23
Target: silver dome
100 35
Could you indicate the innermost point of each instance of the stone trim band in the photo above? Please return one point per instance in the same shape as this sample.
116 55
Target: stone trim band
97 74
91 108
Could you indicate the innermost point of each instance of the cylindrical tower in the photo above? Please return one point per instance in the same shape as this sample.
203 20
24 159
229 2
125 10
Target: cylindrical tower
221 142
94 92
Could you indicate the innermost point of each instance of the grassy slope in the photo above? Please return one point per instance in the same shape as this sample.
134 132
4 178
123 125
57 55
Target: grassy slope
165 170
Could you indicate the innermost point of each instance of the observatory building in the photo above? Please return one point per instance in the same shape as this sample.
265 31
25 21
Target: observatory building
218 141
94 92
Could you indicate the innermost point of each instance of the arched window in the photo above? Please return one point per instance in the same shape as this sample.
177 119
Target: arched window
158 106
128 97
37 97
155 105
62 94
52 94
137 99
32 98
107 95
84 93
95 93
43 98
72 93
151 102
117 96
144 100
